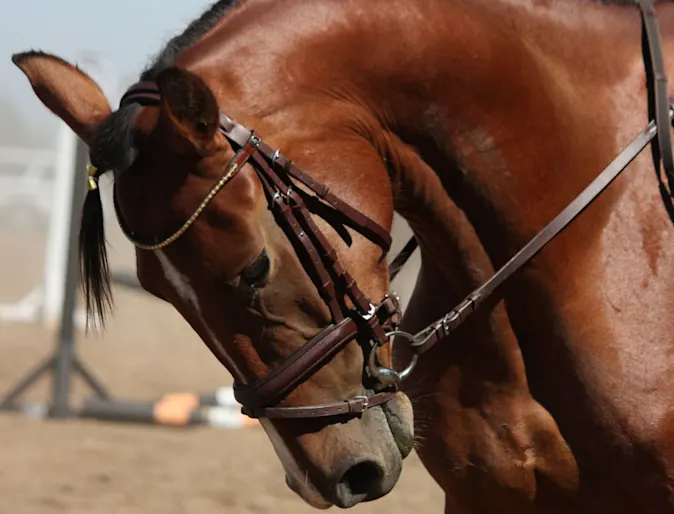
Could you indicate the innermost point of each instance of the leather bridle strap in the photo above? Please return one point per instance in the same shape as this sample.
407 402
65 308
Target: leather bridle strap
289 374
427 338
349 216
311 246
284 200
304 247
313 249
307 360
354 406
658 94
401 259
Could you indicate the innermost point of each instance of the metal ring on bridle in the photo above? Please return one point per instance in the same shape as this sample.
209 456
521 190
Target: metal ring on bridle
386 376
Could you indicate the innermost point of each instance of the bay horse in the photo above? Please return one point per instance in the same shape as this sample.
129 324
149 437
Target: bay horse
477 121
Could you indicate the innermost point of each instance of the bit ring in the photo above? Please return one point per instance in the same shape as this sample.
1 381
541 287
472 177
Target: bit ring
387 376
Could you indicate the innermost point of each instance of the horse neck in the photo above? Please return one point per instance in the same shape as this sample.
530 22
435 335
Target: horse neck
479 117
471 120
487 135
490 135
494 136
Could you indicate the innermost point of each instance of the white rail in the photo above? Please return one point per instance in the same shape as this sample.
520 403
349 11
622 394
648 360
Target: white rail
42 179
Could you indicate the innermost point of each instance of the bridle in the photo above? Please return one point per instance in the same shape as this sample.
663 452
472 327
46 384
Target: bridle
292 208
375 324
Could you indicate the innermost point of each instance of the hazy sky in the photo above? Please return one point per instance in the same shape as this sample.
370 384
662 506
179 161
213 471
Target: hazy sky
124 34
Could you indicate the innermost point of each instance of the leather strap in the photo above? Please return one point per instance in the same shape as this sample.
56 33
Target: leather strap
427 338
143 93
356 220
307 360
354 406
402 258
341 280
658 93
316 245
350 216
307 253
319 260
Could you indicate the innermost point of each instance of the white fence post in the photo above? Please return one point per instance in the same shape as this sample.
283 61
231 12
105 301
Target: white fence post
57 243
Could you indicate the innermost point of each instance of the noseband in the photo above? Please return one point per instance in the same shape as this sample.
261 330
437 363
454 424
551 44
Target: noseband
292 207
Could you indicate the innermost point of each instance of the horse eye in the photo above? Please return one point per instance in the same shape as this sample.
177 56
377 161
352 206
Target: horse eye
258 271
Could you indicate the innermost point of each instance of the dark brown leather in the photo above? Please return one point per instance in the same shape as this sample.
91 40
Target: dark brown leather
351 217
441 328
304 246
306 361
354 406
401 259
356 220
658 94
143 93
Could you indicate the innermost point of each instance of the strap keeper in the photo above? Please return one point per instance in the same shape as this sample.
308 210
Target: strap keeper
358 405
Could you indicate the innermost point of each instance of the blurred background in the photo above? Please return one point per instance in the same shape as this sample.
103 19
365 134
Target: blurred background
148 351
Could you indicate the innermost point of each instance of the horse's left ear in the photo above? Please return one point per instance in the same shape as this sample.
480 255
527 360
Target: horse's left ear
190 106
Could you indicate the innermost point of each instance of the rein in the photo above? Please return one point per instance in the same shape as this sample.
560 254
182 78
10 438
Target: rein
660 107
366 322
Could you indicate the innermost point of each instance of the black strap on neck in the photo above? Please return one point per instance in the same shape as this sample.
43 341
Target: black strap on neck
658 99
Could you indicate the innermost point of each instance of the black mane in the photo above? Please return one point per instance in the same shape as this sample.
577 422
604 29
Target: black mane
112 148
192 34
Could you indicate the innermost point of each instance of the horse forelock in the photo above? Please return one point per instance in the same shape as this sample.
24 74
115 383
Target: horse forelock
113 147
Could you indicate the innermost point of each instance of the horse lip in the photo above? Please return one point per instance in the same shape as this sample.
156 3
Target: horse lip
404 441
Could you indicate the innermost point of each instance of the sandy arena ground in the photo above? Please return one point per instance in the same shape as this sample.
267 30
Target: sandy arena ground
49 467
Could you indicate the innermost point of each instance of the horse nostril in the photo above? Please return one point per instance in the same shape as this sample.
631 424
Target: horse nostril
360 482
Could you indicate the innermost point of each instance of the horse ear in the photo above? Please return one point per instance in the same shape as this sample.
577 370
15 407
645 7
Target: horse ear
66 91
190 105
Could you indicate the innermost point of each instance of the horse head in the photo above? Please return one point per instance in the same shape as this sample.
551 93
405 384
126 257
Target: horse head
258 257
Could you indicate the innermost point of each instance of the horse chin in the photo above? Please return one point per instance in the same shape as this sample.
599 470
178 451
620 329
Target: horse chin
400 417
